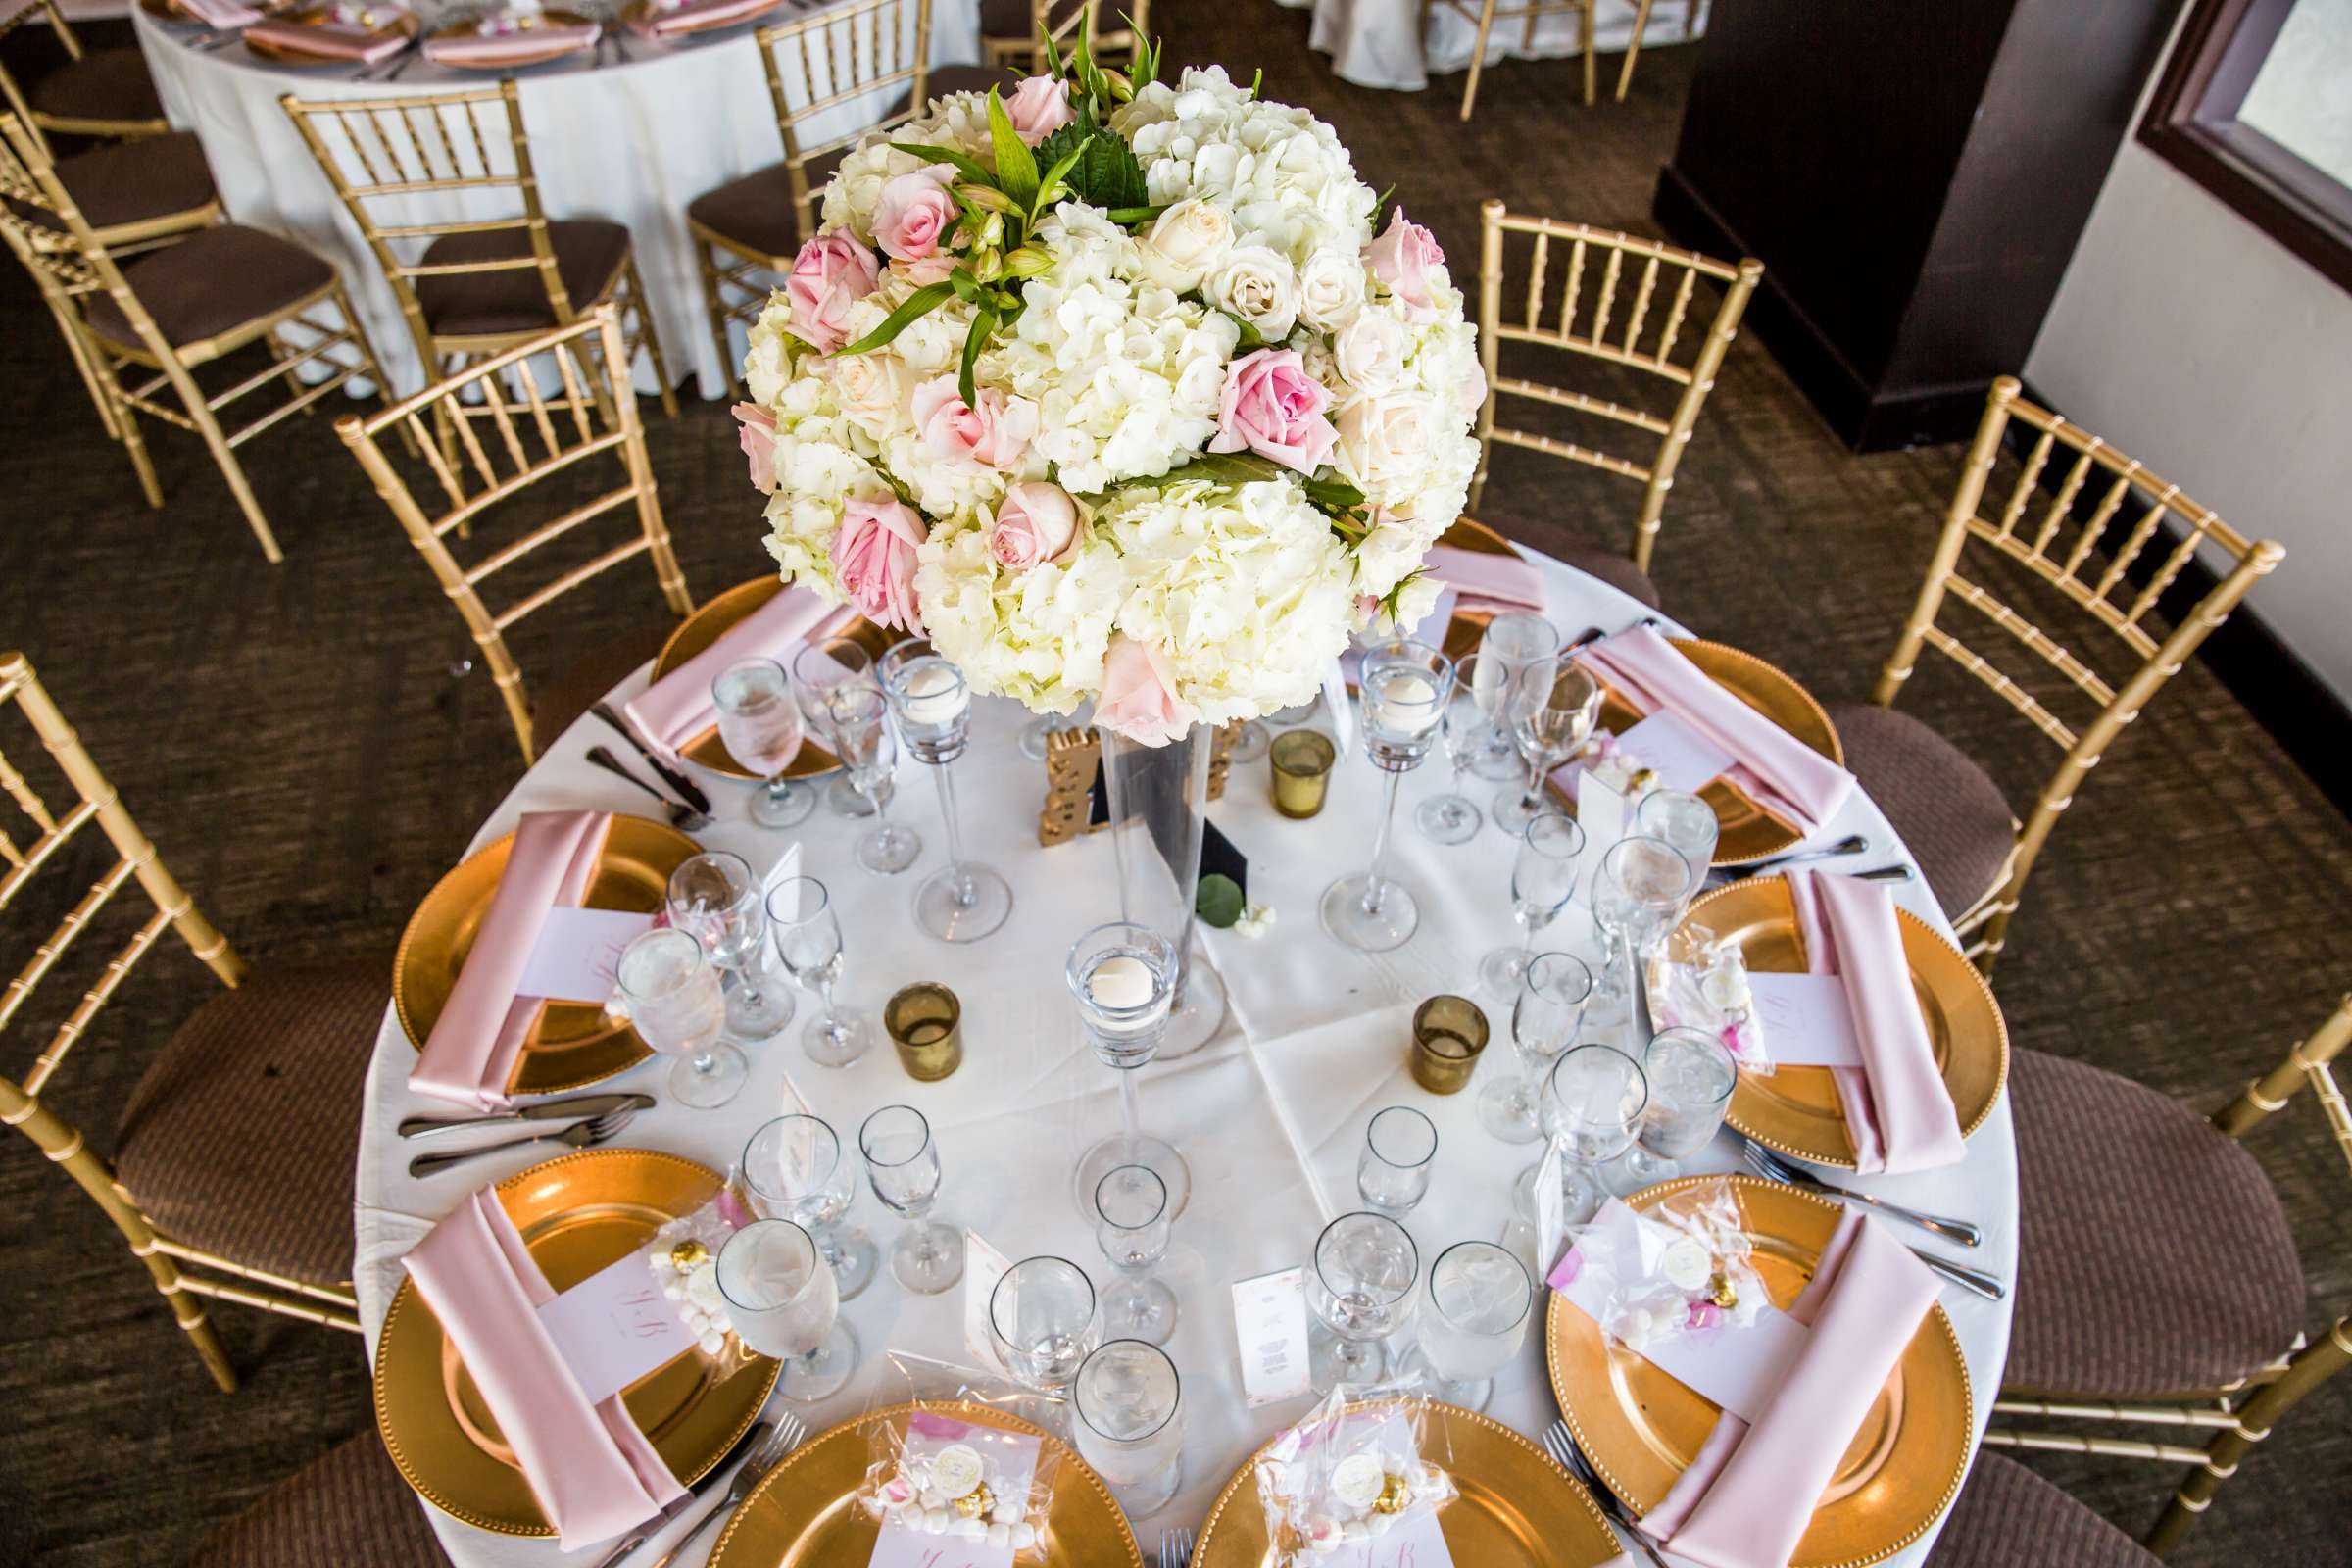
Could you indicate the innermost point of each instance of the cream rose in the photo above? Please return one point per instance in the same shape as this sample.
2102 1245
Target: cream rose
1331 290
1185 243
1369 352
1384 439
871 389
1256 283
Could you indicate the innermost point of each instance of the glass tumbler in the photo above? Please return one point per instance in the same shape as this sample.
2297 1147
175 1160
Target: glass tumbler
1401 1152
677 1007
1691 1075
783 1302
1129 1405
1474 1320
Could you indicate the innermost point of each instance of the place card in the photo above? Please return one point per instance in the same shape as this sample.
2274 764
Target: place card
1418 1542
1008 1461
614 1327
578 952
1671 748
983 1267
1269 1320
1807 1019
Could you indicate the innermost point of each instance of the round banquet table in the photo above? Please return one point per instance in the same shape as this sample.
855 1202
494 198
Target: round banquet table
1270 1114
1402 43
631 141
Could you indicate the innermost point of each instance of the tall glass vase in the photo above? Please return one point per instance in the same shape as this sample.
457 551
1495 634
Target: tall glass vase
1159 803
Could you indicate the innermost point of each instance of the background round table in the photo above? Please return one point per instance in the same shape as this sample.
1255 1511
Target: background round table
629 140
1270 1114
1402 43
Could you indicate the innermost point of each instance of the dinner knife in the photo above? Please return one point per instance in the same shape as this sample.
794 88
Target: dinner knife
688 790
576 1107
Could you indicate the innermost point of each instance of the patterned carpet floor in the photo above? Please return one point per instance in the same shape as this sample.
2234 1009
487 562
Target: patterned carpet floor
295 740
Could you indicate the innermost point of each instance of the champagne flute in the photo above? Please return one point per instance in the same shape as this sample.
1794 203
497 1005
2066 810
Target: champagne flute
795 1168
1130 1226
677 1007
715 897
1405 688
1553 708
1684 820
1592 1106
901 1165
1514 646
860 719
760 726
1545 1020
822 667
1467 728
1639 892
807 937
784 1301
1551 850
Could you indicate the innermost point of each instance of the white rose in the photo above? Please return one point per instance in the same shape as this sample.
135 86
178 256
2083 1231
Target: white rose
1388 553
1369 352
871 389
1331 290
1385 440
1256 284
1186 242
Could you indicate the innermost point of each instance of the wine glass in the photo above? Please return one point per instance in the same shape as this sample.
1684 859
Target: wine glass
859 720
1691 1075
1466 729
902 1164
1361 1287
1639 894
1401 1152
821 666
1552 712
1545 1019
784 1301
963 901
1130 1226
1515 643
793 1168
1473 1321
1551 850
760 726
1591 1106
677 1007
1684 820
807 937
1041 1314
1406 687
715 897
1130 1426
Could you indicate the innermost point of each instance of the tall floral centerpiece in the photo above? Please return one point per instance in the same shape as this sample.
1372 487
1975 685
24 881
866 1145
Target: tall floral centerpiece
1117 389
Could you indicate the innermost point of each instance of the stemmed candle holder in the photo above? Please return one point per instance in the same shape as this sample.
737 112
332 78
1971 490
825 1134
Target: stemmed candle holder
963 901
1123 978
1406 686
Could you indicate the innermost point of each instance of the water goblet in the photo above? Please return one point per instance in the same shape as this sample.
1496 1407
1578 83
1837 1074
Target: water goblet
1691 1075
676 1005
760 726
1361 1287
901 1165
1130 1226
1130 1423
1405 688
1041 1314
784 1301
1591 1106
963 901
1474 1320
1466 729
822 667
807 937
1636 895
1515 645
1545 1016
860 719
1552 714
795 1168
1552 851
1684 820
715 897
1401 1152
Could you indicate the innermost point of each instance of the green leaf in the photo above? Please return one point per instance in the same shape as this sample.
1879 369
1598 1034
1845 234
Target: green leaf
1380 204
1138 216
1333 494
1057 150
969 168
973 341
1218 901
1016 165
923 302
1251 338
1108 175
1050 188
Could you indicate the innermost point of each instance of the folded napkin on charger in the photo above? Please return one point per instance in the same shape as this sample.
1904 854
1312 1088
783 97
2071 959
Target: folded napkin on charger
227 13
1897 1112
1784 774
1746 1498
1483 580
495 48
334 40
676 709
470 1055
592 1472
694 18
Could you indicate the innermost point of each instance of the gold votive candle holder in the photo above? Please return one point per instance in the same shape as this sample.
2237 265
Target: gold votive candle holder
1449 1034
926 1023
1302 760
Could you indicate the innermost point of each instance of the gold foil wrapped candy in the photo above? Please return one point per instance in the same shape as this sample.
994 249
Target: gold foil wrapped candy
975 1503
1392 1495
1722 1292
689 1254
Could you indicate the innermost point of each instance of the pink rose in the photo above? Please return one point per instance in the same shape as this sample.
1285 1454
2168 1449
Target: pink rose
759 443
874 555
915 213
991 436
1271 406
1402 259
1036 524
935 268
831 273
1038 108
1139 694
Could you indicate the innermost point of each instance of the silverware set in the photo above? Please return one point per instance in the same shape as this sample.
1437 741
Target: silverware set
1773 1167
1561 1445
575 1107
767 1447
684 788
579 1135
685 819
1175 1548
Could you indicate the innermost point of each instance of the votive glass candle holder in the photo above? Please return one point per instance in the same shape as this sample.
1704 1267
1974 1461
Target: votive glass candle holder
1448 1034
926 1023
1302 760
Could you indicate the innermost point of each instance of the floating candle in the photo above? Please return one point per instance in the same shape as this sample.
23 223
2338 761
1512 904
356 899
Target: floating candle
933 694
1120 982
1404 703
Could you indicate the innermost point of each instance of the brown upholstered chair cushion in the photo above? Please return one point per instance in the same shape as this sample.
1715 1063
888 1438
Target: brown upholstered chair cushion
214 281
589 254
349 1509
1950 812
2153 1258
1618 571
2009 1517
132 182
242 1137
970 79
1006 18
756 213
570 692
103 85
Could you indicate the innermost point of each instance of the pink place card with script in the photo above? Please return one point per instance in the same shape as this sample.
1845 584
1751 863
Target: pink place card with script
614 1327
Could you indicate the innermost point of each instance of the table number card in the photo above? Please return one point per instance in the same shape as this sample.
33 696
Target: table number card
614 1327
1269 1319
983 1267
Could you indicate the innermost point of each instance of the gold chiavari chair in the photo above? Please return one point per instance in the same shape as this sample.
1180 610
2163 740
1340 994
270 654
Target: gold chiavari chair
96 93
233 1158
1633 47
1484 15
1975 852
2157 1280
497 414
414 173
1013 32
752 226
173 311
1639 342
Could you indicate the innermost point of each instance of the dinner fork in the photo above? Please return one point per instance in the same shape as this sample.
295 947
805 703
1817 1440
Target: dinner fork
1175 1548
579 1135
772 1448
1564 1452
1774 1167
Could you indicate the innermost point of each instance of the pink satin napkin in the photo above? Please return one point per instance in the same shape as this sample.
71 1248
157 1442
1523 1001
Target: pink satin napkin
498 48
219 13
470 1055
593 1473
1897 1112
1784 774
1746 1498
692 18
334 40
675 711
1483 581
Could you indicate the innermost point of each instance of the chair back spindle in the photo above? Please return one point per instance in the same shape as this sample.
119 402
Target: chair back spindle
838 55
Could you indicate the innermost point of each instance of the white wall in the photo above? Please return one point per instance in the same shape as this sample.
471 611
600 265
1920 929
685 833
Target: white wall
2215 356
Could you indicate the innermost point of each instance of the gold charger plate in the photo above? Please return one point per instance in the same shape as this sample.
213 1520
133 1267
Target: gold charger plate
1516 1506
577 1214
715 619
805 1514
573 1045
1641 1428
375 19
1796 1109
510 23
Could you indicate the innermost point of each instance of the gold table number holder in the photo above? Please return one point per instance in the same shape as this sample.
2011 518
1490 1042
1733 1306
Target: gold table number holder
1074 757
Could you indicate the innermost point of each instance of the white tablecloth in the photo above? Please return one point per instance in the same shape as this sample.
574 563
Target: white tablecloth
1270 1114
632 141
1402 43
